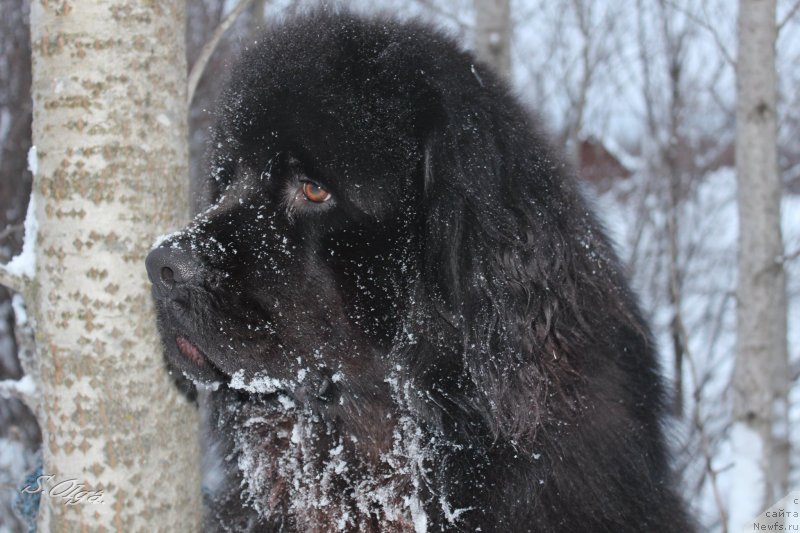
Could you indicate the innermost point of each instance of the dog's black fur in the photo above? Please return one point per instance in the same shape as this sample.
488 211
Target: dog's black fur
449 339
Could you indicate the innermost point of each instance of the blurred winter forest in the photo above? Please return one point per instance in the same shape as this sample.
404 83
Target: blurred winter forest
640 93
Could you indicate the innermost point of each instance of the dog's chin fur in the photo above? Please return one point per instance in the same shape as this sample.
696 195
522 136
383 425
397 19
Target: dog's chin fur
446 342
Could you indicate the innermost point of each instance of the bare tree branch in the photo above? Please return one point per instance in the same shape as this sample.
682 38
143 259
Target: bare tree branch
451 15
26 341
791 256
795 372
10 230
705 442
205 54
791 13
13 281
703 23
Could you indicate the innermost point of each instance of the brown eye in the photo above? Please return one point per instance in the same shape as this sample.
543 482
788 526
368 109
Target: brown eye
315 193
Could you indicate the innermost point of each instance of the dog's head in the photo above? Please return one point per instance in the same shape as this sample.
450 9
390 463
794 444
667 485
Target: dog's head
302 263
378 199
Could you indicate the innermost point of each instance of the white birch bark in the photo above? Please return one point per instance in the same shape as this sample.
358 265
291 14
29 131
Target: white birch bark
760 383
109 92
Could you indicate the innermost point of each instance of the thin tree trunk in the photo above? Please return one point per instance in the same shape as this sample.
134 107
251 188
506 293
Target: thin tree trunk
493 34
258 14
760 383
675 58
109 93
578 107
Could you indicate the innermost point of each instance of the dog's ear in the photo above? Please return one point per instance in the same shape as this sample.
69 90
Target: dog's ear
508 254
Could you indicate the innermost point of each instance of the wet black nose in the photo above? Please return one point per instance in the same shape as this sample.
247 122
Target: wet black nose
169 268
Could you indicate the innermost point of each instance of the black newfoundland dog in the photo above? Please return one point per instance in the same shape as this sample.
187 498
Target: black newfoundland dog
409 316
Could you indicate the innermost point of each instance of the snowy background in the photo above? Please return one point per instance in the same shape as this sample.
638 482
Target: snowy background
640 92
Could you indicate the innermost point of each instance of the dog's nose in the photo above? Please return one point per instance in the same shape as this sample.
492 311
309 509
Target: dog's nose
170 267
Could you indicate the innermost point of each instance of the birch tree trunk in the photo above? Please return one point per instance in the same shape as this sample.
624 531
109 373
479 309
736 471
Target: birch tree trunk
493 34
109 93
760 383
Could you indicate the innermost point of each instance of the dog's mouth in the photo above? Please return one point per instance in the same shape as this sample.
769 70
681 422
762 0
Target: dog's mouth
187 358
191 352
194 364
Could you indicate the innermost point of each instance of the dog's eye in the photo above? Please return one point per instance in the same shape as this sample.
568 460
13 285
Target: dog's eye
315 193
